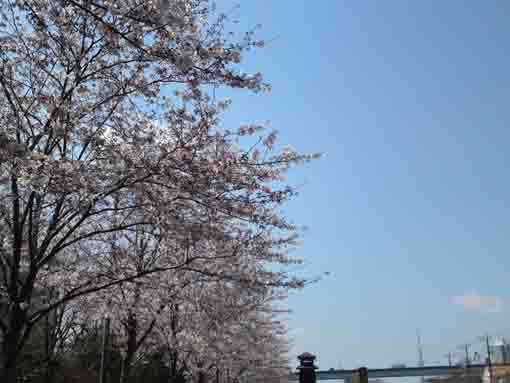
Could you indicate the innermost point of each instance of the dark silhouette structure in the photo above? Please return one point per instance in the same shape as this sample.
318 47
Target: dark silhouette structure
307 368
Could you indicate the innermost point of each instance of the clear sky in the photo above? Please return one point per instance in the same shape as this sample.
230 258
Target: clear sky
410 208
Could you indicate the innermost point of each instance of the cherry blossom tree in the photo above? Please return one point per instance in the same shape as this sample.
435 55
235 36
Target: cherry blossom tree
93 143
194 319
220 329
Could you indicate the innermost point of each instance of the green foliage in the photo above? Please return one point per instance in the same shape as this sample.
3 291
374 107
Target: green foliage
79 361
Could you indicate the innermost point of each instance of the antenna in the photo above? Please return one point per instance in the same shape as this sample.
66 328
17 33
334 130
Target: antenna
421 362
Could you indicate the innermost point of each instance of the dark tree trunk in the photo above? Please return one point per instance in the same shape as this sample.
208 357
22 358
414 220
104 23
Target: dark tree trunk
131 330
126 369
49 346
8 373
49 373
9 351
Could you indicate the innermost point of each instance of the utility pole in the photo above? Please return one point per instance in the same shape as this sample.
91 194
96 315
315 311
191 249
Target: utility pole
104 350
449 356
465 347
489 363
421 362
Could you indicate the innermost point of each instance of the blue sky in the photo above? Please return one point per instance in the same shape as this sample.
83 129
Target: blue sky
410 208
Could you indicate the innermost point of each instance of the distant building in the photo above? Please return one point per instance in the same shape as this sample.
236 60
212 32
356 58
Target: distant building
500 353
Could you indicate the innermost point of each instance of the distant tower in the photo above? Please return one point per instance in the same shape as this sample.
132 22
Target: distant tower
421 362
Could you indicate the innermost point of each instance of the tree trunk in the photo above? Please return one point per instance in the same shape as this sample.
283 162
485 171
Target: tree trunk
9 356
49 348
49 372
8 371
201 377
10 345
126 369
131 330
